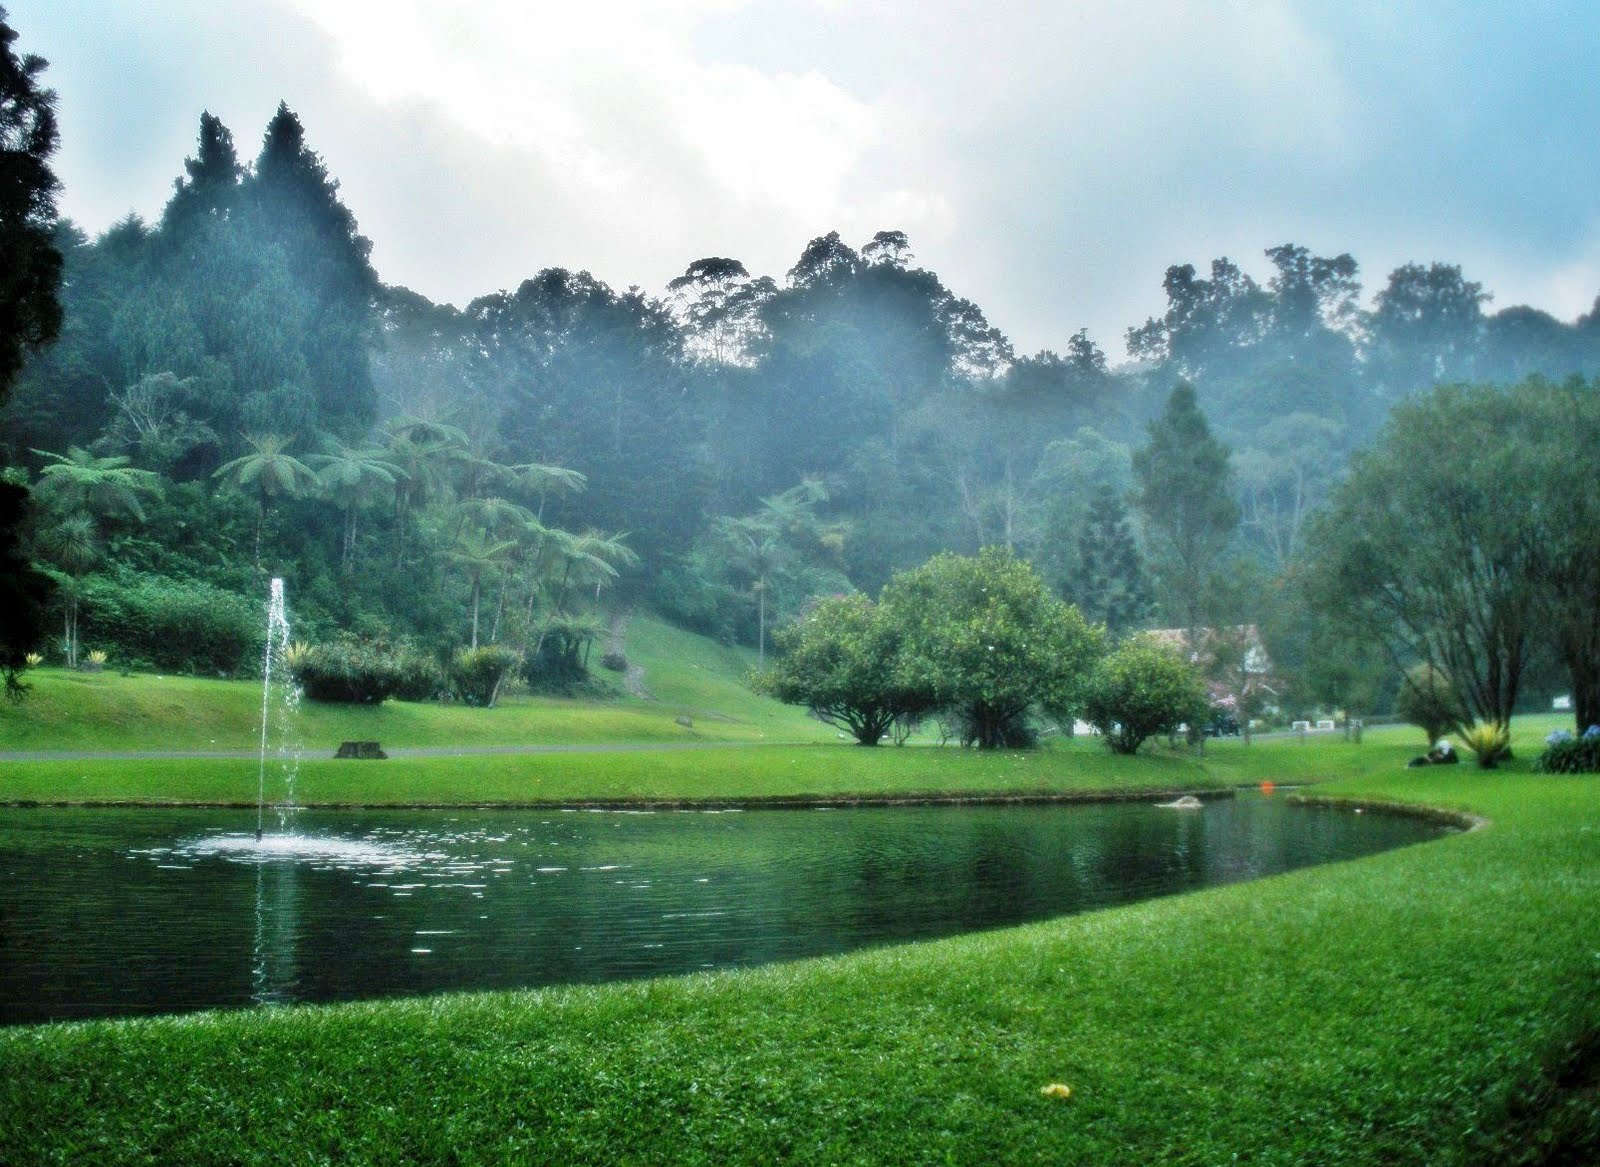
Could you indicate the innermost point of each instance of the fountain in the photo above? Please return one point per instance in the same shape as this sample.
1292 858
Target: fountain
277 716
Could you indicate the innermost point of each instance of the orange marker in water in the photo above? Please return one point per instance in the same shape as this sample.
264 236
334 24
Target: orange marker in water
1268 787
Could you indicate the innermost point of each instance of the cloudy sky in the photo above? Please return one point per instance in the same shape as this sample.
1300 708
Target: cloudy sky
1048 160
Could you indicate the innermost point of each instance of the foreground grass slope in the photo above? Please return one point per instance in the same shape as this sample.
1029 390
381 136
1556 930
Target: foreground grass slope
1432 1005
687 675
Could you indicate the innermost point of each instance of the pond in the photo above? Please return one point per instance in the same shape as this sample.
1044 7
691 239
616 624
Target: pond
122 912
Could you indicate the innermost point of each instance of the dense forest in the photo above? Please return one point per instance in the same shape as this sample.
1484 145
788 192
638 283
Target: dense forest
234 394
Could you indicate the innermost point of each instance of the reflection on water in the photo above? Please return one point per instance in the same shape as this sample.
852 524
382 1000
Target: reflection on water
136 911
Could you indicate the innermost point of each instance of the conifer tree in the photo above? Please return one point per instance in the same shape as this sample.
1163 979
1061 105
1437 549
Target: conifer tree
1109 584
1185 491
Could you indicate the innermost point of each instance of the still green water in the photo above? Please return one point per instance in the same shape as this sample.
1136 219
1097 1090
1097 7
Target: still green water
121 912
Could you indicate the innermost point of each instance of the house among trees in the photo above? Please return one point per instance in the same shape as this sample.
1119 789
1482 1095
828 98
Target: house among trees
1238 672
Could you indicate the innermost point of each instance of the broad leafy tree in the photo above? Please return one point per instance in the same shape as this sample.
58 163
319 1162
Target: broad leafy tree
1563 506
1140 689
984 636
842 660
1428 543
1426 327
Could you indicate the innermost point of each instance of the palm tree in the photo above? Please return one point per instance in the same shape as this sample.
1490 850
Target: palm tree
477 551
350 476
103 487
541 480
590 558
425 453
271 470
82 491
755 547
71 545
494 519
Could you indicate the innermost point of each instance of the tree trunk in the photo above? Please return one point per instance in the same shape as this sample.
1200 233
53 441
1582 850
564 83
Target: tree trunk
348 555
761 625
1585 675
477 589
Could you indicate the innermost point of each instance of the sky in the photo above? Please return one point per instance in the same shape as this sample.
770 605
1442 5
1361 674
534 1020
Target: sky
1048 160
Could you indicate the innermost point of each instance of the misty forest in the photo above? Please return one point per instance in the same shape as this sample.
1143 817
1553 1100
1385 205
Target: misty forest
235 395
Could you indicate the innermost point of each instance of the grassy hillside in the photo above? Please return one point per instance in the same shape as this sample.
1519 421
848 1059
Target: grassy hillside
687 675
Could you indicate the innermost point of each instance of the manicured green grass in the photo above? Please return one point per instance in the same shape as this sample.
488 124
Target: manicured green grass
1432 1005
741 773
688 675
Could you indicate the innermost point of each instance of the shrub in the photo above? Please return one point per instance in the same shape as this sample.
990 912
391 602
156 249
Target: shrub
476 674
1142 688
350 672
559 661
1565 754
1429 699
419 676
615 661
355 671
842 660
1491 742
178 626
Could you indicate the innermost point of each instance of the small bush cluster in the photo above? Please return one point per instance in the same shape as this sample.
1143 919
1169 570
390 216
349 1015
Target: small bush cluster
476 674
176 626
558 664
1565 754
357 672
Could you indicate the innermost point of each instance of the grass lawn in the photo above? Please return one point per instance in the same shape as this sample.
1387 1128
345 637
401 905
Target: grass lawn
1432 1005
741 773
688 676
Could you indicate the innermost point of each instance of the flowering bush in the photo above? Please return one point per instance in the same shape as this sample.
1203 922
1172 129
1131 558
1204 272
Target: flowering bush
1565 754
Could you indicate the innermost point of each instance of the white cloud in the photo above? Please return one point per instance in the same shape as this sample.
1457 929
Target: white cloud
1048 160
610 97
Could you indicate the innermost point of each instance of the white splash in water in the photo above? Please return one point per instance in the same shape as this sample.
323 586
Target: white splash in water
304 848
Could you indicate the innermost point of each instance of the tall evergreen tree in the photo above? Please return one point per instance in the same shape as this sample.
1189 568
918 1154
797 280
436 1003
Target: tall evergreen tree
30 313
1109 583
211 180
1185 492
324 283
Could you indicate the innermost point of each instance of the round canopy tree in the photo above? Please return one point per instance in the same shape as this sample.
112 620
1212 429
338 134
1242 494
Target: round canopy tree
842 659
1141 689
986 639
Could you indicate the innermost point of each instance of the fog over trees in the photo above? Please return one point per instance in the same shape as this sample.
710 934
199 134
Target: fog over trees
726 449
